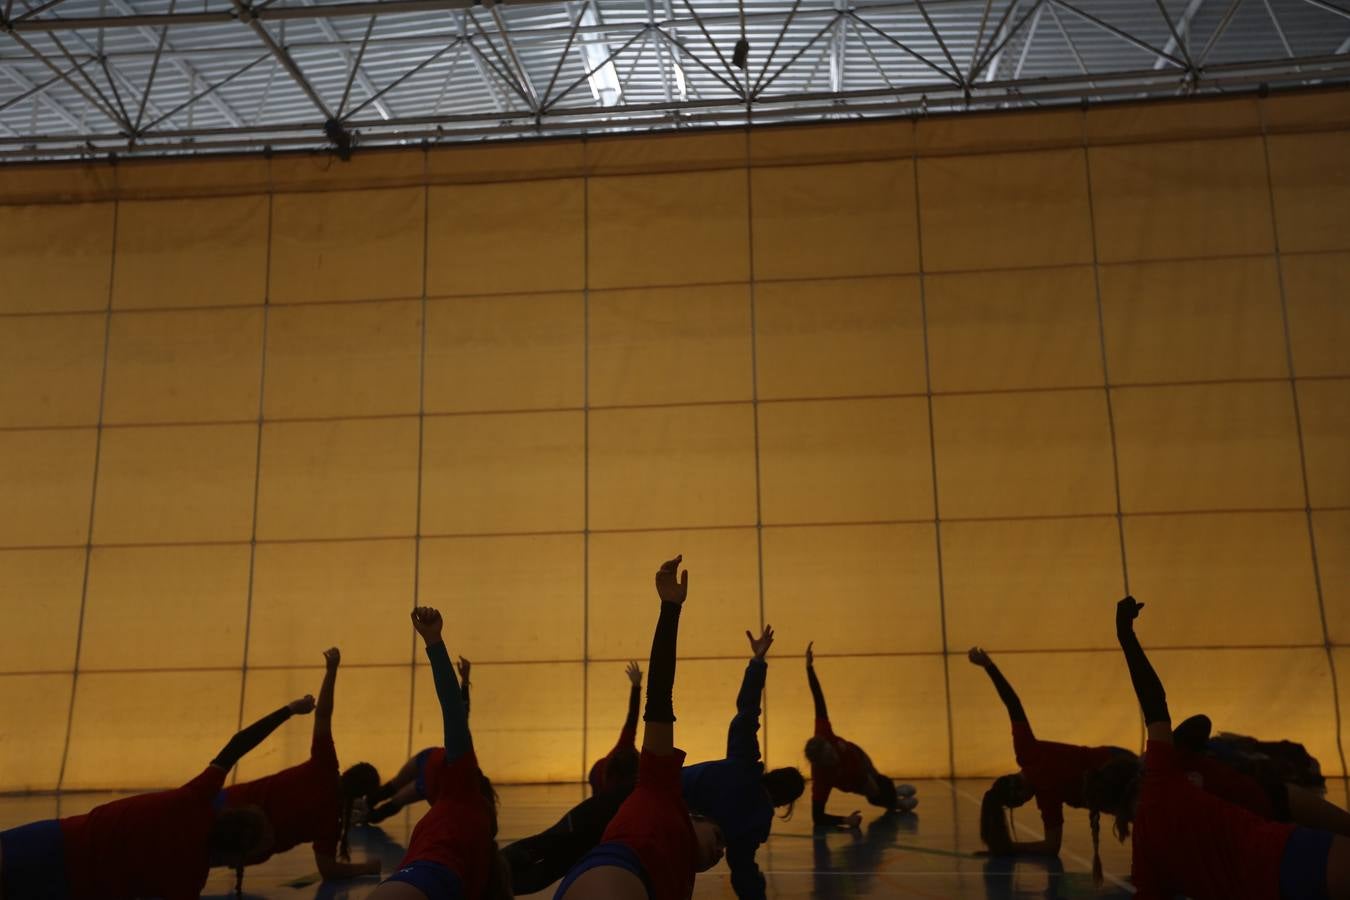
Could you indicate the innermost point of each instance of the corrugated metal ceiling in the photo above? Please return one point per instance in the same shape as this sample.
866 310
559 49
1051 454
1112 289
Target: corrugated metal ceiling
92 77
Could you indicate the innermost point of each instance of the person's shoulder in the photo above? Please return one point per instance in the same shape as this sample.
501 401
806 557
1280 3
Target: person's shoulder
660 769
208 783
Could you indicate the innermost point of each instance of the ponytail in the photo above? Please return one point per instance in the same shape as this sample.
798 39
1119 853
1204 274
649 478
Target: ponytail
360 781
344 844
1111 788
1095 820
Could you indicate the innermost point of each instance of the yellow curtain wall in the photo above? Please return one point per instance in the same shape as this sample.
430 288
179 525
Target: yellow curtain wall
899 387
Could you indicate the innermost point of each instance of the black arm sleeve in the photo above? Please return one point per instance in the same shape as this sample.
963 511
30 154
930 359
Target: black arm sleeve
816 693
661 667
1006 693
249 738
634 696
1147 686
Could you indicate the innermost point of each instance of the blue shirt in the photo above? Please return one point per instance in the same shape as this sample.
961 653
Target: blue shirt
729 791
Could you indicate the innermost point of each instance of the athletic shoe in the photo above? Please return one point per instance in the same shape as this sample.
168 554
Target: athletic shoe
905 790
907 804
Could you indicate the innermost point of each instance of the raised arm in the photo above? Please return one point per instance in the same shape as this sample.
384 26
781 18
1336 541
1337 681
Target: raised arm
323 710
658 733
255 734
1147 686
454 720
464 667
741 740
628 734
1005 692
816 693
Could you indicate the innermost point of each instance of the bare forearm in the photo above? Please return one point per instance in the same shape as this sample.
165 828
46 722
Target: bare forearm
323 709
816 693
1006 693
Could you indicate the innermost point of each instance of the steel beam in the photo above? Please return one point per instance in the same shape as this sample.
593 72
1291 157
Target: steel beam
32 89
65 77
366 85
1026 45
1181 32
1123 35
246 16
1219 30
270 13
1330 7
183 66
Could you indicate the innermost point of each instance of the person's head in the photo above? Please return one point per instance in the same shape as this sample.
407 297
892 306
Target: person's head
881 792
238 837
622 771
1007 792
784 786
711 843
359 781
1112 789
821 753
596 777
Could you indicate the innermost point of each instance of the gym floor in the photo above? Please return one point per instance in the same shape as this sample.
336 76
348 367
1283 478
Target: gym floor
931 854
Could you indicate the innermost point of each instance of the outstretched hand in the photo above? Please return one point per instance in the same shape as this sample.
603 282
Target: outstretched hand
634 672
464 666
303 706
852 822
810 656
1127 611
668 587
427 621
979 657
760 645
332 657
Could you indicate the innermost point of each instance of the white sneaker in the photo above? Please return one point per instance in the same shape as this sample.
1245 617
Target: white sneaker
905 790
907 804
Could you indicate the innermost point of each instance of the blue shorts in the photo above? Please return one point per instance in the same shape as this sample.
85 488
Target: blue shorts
611 853
1303 868
421 782
432 879
34 861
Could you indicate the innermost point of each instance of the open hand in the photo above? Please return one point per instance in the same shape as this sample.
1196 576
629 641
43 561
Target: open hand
1127 611
427 621
634 672
852 822
332 657
810 657
979 658
760 645
670 589
302 707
